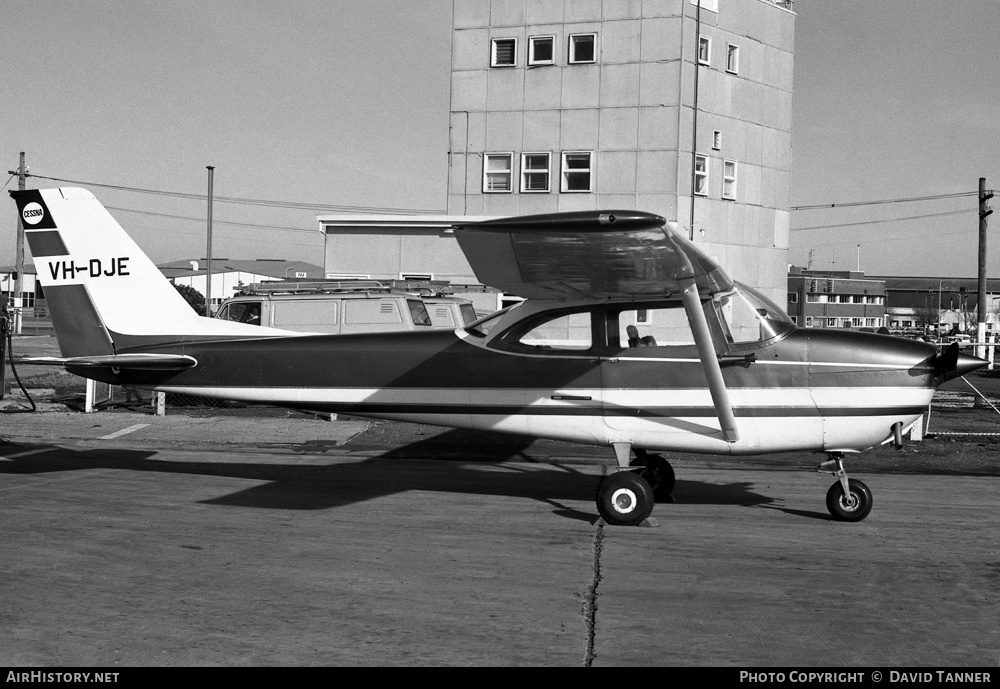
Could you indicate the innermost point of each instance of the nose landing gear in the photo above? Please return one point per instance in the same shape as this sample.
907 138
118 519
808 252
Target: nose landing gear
848 500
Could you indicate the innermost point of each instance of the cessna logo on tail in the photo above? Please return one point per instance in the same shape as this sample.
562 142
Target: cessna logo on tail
33 213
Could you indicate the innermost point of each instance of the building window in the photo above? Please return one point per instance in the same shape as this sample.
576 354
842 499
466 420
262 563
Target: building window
716 140
503 52
701 175
497 172
582 48
729 179
733 59
541 50
809 321
793 297
711 5
576 171
535 172
704 50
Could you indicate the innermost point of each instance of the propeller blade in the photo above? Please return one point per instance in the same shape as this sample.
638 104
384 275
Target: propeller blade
946 361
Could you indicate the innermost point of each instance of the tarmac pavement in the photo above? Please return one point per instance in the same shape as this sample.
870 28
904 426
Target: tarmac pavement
135 540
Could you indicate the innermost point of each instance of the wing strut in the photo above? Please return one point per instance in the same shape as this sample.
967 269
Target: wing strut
709 359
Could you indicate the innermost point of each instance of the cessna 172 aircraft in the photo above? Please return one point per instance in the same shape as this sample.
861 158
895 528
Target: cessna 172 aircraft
629 338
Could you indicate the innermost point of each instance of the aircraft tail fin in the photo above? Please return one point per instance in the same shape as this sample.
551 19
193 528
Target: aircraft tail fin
104 294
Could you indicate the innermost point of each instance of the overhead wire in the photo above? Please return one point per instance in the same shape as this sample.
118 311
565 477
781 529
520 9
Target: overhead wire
884 220
215 222
299 205
880 202
406 211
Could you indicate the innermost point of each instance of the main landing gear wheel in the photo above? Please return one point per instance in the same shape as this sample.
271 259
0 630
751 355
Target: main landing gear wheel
852 506
624 499
658 473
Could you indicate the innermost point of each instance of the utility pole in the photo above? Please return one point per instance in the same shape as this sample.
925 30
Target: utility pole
208 275
22 173
984 212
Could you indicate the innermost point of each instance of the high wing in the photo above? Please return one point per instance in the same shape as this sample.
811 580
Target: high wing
604 255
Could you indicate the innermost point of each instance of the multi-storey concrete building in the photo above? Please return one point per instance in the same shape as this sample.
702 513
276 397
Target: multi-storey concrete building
658 105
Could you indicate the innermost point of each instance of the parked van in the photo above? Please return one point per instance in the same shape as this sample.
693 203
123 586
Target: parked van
338 308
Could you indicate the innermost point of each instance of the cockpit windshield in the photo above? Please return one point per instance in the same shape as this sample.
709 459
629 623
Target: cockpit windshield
747 316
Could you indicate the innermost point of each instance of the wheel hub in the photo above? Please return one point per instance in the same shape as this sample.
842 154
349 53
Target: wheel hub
624 500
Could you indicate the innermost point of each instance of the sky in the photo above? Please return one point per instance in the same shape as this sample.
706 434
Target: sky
344 103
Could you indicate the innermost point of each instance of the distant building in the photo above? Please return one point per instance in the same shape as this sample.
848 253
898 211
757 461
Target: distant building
939 304
30 290
836 299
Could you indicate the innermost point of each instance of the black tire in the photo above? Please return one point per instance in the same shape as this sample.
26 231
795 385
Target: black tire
624 499
658 474
849 508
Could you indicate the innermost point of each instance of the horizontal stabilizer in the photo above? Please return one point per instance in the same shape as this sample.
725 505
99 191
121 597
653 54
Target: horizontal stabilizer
131 362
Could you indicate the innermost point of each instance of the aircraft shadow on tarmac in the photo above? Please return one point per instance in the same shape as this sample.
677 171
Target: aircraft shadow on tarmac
445 463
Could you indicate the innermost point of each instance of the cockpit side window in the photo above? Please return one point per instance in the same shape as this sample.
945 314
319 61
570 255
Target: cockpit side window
659 325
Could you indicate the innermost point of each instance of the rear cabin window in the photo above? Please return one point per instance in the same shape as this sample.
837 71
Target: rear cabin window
567 332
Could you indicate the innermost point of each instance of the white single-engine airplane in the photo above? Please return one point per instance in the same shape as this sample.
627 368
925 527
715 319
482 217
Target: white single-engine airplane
629 338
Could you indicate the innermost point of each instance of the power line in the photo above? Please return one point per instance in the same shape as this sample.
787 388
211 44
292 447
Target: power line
887 220
852 204
883 240
217 222
250 202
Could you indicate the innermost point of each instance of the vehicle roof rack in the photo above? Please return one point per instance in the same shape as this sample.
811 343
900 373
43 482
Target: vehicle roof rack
313 287
424 288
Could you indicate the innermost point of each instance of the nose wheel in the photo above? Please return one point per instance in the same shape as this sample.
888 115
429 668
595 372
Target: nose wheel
848 500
